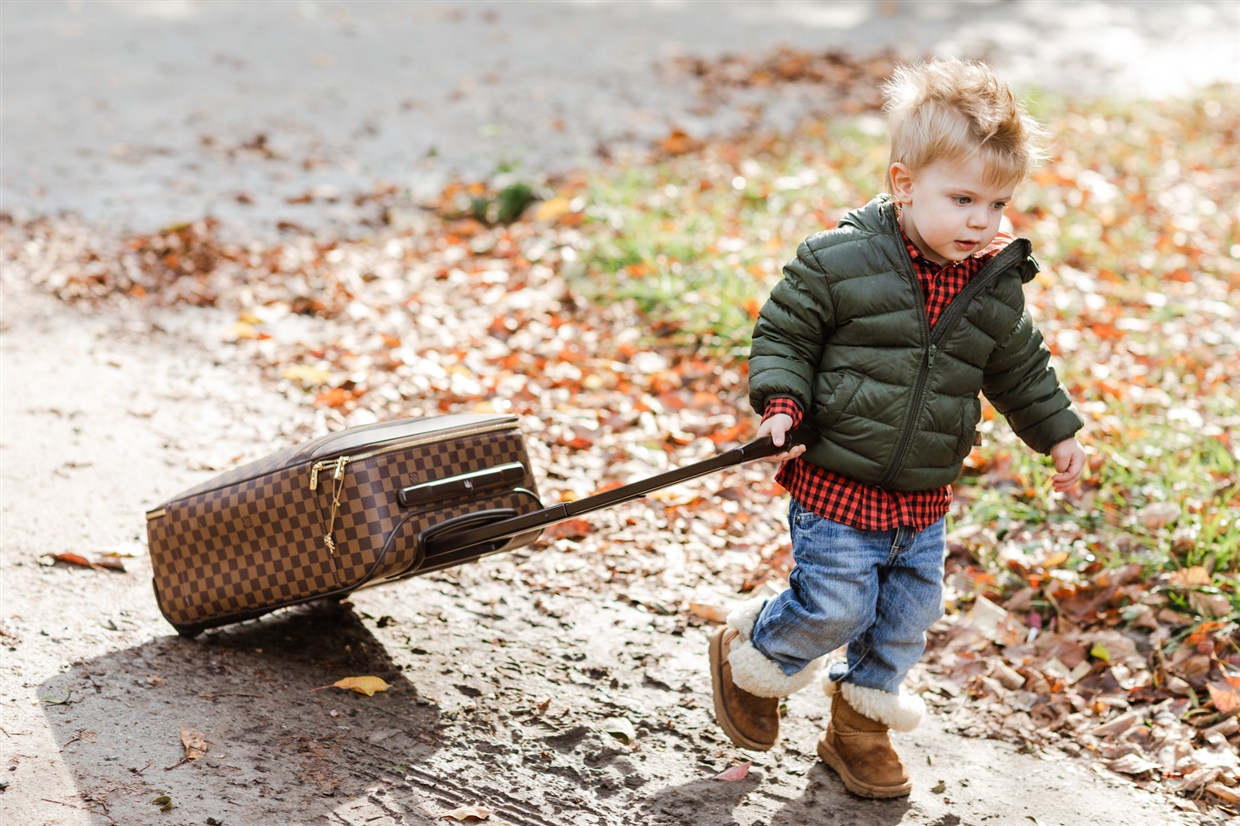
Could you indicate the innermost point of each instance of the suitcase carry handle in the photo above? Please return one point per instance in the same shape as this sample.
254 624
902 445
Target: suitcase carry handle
461 485
447 528
537 520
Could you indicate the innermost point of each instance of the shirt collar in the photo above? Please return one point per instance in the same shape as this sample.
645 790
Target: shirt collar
1001 240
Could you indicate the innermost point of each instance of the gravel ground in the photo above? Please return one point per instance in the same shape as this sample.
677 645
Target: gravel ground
501 694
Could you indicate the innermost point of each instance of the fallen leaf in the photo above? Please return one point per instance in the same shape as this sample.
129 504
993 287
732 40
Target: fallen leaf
307 375
72 559
80 561
1100 652
1210 605
1158 515
52 701
467 812
710 613
572 529
334 397
362 685
552 209
678 142
1224 701
620 728
239 331
195 743
939 787
736 772
1132 764
1190 577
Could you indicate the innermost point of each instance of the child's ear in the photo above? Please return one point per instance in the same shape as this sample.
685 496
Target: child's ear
901 183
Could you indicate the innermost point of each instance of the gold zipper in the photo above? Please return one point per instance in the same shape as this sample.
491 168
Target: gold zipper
340 462
391 447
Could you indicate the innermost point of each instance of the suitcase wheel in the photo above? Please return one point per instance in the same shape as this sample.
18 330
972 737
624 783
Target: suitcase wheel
190 631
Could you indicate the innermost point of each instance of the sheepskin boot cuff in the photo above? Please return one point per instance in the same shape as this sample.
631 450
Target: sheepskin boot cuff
902 712
753 671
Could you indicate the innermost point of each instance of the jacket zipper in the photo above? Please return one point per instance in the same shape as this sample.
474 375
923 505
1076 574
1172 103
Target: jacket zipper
944 325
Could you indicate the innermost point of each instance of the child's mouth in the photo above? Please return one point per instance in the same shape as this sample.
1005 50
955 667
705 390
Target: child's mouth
965 246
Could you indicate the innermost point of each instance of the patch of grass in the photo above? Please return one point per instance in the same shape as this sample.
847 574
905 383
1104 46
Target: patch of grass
698 240
1136 220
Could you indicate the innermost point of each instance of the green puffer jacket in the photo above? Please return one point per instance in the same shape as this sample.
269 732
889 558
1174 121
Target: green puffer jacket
845 335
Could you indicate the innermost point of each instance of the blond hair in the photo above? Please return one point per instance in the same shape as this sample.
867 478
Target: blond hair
950 109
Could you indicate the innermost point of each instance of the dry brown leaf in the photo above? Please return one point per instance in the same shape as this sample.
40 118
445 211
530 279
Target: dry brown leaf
1224 701
1190 577
1132 764
195 743
467 812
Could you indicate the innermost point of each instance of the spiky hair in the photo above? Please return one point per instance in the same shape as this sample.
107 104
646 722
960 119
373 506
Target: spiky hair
949 109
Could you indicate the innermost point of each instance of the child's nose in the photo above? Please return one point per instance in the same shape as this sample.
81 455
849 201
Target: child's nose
978 219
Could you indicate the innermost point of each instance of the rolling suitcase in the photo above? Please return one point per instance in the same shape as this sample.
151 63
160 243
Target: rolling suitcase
361 507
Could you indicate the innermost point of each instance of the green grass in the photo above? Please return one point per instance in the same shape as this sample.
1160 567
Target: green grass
1136 220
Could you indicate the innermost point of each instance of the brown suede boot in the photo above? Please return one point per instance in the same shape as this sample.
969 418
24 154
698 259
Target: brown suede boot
861 754
750 722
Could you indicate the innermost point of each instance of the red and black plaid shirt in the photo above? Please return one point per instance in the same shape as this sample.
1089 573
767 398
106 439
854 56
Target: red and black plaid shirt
869 507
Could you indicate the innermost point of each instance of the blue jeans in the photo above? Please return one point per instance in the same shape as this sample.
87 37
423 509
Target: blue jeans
875 591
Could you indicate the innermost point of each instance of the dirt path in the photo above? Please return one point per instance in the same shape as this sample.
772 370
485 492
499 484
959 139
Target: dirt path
505 673
501 691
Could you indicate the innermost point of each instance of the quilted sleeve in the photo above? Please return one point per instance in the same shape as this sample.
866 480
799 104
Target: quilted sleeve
790 333
1020 382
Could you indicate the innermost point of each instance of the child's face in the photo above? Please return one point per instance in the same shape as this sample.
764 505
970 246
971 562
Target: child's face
947 208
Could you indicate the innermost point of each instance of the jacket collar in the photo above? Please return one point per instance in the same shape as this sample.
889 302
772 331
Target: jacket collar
878 217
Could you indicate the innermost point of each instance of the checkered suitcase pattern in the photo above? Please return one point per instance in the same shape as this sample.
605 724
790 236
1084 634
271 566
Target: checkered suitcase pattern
323 519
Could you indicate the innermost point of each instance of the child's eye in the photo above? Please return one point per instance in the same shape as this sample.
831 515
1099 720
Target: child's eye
998 206
962 199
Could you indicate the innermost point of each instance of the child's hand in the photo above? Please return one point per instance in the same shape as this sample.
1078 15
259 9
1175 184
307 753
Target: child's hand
1069 459
777 427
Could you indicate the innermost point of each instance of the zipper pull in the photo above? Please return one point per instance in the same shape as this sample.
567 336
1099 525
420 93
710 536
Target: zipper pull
337 466
930 356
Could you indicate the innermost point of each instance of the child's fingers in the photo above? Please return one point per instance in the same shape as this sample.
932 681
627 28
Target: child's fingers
789 454
1065 480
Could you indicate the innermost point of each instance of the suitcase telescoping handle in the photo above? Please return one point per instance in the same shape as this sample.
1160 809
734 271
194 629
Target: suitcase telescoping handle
537 520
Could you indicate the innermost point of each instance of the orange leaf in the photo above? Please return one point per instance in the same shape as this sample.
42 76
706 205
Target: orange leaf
1224 701
1056 559
679 143
1202 632
1189 577
572 529
336 397
752 308
362 685
73 559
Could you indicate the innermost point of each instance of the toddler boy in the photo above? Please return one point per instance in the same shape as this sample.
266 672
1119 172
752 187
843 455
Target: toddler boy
881 335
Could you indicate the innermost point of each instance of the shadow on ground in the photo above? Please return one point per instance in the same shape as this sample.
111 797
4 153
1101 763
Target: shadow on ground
275 746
